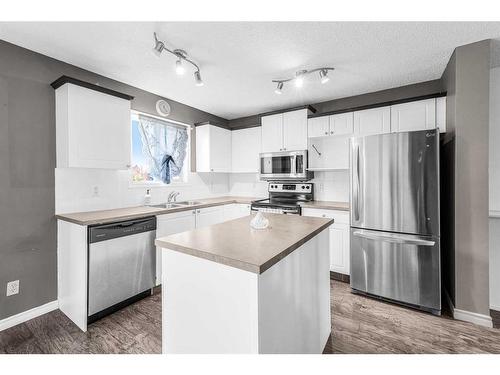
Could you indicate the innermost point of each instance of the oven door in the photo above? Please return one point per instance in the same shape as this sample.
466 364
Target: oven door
288 165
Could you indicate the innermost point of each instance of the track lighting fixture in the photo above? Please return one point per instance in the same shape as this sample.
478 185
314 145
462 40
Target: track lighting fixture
298 80
182 56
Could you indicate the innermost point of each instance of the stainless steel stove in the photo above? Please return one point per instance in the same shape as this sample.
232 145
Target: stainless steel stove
285 198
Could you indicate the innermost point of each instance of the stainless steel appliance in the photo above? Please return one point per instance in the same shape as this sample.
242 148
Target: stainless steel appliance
395 235
121 265
285 198
286 165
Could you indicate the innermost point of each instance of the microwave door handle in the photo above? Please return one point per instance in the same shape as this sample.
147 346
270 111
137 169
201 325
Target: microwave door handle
294 165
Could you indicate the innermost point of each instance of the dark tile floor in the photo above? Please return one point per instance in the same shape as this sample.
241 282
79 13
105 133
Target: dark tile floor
359 325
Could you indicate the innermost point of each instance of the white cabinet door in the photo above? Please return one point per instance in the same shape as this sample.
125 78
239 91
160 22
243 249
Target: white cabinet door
334 153
342 124
372 121
318 126
170 224
220 149
245 145
213 149
418 115
339 238
209 216
236 210
441 114
272 133
295 130
93 129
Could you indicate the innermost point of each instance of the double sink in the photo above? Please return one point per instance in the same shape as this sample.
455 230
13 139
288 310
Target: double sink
176 204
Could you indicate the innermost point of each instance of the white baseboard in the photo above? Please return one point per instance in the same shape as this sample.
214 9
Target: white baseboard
467 316
496 308
13 320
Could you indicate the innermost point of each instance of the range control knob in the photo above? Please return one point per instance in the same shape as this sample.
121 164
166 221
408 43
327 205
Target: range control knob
303 187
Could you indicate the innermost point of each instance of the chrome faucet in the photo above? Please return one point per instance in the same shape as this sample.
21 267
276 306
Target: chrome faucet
172 197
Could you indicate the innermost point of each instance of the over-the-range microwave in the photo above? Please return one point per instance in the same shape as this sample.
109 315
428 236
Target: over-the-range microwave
285 165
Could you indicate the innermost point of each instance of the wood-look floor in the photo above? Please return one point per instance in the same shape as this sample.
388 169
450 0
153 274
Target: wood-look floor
359 325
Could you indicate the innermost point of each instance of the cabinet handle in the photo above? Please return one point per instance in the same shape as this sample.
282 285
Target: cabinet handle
331 132
284 148
128 165
323 215
198 211
326 133
194 212
211 169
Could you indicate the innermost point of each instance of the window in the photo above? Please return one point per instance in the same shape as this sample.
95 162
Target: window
159 150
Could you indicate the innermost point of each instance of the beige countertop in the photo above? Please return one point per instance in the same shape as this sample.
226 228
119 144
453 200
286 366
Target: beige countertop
236 244
327 205
129 213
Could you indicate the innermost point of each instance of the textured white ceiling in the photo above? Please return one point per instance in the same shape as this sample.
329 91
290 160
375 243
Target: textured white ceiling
238 60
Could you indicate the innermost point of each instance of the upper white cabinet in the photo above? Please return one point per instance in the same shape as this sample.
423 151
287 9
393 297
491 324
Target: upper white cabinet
272 133
372 121
92 128
340 124
213 149
246 145
418 115
318 126
285 131
295 130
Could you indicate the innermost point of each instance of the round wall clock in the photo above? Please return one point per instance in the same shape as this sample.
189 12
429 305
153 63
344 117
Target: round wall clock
163 108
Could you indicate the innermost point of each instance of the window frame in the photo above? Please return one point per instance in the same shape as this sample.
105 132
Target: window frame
187 164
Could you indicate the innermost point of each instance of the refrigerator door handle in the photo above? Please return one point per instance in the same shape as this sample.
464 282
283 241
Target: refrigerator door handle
355 197
395 238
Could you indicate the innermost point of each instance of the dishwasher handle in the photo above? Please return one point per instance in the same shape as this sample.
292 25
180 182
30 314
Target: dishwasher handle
113 230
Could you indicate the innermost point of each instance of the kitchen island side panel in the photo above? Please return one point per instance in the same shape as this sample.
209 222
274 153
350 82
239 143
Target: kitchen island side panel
207 307
294 300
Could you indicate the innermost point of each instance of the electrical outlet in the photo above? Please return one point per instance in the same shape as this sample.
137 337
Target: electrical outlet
12 288
95 191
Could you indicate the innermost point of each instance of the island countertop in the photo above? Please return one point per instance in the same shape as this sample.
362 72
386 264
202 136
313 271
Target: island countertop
236 244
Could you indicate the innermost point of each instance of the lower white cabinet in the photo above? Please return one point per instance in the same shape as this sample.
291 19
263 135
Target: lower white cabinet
236 210
209 216
339 237
178 222
170 224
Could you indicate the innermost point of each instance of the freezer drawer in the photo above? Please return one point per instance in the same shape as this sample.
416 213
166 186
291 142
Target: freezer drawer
404 268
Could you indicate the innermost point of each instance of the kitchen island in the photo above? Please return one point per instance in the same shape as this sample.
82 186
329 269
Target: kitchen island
228 288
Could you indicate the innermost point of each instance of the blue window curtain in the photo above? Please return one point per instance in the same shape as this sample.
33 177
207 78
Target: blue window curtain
164 145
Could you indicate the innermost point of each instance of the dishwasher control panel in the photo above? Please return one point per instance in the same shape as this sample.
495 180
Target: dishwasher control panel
106 232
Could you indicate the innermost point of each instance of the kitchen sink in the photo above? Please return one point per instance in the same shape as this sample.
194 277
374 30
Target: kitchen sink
188 203
166 205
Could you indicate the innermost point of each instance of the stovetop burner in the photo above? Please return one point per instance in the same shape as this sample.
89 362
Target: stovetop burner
285 198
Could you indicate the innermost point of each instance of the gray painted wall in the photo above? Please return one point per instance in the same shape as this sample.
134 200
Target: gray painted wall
466 79
373 98
27 162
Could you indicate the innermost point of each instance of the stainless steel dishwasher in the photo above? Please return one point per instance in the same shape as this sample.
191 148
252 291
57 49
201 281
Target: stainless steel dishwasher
122 264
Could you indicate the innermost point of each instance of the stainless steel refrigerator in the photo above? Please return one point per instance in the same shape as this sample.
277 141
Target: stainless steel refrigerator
395 249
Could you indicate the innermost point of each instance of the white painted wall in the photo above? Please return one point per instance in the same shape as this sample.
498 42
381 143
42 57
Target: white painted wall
494 188
331 186
75 189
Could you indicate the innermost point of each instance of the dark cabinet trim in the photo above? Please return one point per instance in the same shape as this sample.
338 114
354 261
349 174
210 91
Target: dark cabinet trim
378 105
65 79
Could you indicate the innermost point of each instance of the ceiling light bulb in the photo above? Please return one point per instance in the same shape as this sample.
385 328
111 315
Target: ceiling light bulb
197 78
299 81
179 69
323 74
279 88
